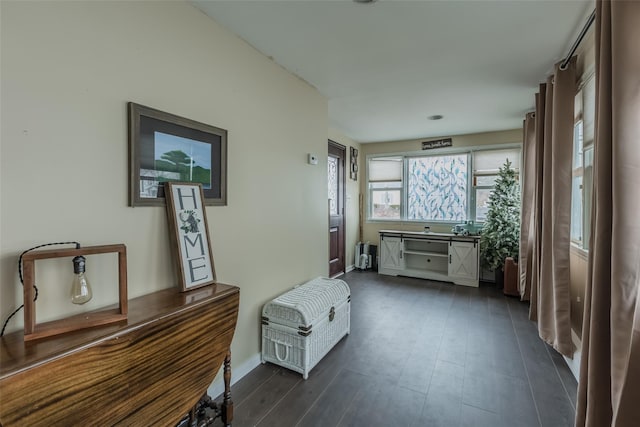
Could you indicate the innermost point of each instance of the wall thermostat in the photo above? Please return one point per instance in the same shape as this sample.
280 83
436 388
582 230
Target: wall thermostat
313 159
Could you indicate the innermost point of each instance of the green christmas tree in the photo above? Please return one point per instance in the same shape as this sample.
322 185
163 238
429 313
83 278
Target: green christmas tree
500 236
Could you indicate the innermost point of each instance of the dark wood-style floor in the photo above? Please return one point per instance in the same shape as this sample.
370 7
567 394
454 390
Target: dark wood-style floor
420 353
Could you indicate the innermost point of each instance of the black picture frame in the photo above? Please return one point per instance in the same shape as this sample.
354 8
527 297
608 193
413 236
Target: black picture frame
164 147
353 169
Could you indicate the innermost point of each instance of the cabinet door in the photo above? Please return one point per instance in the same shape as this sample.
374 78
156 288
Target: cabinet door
391 253
463 260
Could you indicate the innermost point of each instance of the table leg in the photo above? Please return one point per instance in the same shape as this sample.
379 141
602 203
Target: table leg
227 403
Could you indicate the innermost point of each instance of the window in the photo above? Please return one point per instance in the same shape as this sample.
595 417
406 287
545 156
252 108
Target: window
485 171
577 185
452 187
437 188
582 176
385 187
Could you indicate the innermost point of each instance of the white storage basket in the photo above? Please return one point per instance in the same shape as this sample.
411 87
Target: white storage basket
300 326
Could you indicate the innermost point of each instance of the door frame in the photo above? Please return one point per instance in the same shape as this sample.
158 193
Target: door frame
342 196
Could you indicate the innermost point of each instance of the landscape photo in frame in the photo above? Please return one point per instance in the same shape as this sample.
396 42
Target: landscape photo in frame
167 148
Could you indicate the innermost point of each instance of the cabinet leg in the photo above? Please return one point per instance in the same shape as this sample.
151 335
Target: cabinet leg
227 403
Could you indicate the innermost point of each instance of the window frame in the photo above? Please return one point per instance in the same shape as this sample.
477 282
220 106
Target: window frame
405 179
371 190
481 187
579 169
471 188
370 195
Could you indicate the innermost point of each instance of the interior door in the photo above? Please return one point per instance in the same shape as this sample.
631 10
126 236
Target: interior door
336 182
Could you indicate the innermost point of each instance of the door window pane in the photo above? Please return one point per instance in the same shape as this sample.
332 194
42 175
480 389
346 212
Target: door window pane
333 185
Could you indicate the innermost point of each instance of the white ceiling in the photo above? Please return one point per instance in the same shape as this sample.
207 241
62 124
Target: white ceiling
386 66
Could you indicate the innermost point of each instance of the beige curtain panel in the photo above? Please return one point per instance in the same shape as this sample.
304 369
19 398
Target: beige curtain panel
553 287
526 211
546 210
609 386
536 218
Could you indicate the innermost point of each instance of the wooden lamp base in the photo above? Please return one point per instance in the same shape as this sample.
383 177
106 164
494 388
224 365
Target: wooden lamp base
33 331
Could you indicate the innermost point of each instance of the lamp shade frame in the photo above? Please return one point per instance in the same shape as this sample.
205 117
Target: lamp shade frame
33 330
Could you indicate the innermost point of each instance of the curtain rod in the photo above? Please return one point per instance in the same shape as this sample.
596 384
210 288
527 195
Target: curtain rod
567 59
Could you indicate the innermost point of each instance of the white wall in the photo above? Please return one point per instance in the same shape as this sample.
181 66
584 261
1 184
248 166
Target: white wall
67 72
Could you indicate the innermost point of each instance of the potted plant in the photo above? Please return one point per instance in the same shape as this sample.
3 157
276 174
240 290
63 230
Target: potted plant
500 237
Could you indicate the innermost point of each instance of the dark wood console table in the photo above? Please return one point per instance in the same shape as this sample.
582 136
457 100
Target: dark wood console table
150 369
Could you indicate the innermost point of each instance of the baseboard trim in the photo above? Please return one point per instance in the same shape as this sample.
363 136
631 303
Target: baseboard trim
350 268
237 373
574 364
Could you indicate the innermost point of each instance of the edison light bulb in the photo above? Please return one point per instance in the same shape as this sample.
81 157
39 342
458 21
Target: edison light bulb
80 288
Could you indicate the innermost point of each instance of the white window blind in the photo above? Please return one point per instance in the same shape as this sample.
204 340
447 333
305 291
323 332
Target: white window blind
589 110
490 161
385 169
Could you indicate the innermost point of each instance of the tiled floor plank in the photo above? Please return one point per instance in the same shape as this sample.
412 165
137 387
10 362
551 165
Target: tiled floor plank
420 353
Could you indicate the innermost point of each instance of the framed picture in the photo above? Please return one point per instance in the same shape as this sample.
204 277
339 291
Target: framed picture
353 170
189 233
167 148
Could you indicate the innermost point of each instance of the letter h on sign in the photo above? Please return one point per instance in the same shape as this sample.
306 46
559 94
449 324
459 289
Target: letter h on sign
181 198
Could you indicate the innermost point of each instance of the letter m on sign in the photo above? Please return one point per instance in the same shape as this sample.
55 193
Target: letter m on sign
193 243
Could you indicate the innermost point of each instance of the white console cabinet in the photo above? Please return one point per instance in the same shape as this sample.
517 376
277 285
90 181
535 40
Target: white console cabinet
436 256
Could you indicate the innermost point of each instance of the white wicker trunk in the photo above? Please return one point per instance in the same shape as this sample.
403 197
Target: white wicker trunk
300 326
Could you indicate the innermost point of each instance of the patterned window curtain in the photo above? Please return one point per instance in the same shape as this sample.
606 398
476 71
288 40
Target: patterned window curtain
609 386
437 188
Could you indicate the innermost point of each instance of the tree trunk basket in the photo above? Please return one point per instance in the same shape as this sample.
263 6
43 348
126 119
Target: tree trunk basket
511 278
